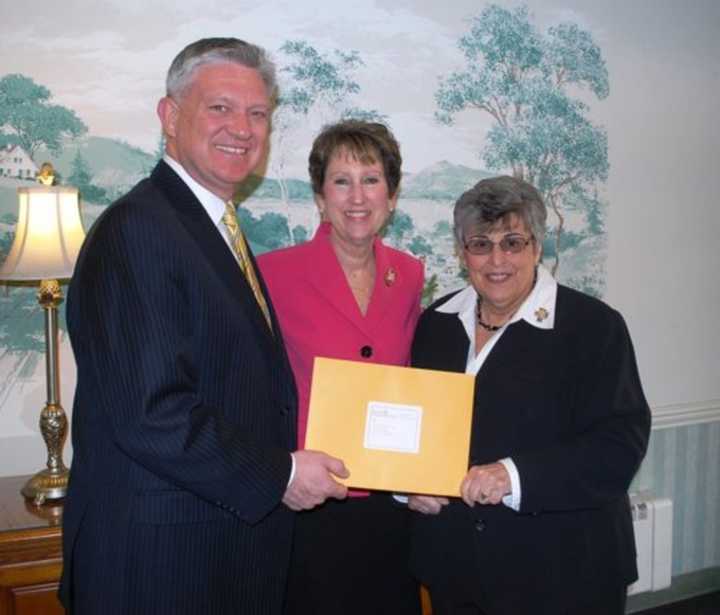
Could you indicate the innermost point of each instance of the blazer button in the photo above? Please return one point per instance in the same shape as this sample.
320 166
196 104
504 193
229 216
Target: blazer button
366 352
480 525
285 410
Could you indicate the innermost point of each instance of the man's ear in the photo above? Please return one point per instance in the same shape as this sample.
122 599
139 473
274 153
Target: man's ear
168 112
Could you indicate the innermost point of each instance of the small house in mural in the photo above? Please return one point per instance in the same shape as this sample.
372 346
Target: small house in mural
16 162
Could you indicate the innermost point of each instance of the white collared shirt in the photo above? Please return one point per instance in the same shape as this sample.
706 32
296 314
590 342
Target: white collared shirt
212 203
538 310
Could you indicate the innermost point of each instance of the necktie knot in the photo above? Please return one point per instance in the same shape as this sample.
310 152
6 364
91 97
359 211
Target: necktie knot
230 220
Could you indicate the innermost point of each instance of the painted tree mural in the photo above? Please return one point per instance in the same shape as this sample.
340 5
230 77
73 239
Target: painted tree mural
531 84
81 177
27 115
312 83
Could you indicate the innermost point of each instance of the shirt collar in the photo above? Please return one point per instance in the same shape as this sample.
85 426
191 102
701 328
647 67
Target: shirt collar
538 309
212 204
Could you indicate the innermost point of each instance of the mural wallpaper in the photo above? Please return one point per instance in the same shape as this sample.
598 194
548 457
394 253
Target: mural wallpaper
511 95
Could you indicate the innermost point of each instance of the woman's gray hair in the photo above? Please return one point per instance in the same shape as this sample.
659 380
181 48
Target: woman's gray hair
492 201
215 51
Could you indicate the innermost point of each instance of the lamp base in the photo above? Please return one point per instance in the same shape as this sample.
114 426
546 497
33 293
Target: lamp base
46 485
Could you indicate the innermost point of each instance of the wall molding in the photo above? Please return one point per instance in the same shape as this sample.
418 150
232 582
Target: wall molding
679 415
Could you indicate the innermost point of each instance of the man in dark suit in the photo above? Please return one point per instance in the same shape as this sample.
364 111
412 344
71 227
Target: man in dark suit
185 409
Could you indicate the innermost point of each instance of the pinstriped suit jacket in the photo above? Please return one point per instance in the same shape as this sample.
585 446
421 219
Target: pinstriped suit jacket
184 414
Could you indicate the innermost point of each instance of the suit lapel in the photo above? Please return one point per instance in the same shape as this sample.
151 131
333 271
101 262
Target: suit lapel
454 344
440 342
200 227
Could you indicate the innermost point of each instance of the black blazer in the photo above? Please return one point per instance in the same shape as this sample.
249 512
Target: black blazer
184 416
567 406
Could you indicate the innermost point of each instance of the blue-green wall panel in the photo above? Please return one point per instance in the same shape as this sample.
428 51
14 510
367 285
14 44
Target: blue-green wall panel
683 464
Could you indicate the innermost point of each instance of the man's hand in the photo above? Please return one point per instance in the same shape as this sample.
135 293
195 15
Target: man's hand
485 484
313 482
427 504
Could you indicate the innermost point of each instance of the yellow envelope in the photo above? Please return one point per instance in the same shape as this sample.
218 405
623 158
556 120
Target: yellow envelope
398 429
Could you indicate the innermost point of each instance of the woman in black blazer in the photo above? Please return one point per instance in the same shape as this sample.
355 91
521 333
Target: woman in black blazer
560 426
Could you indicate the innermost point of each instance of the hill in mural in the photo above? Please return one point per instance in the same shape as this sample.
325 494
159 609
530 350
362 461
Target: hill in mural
442 180
103 155
259 187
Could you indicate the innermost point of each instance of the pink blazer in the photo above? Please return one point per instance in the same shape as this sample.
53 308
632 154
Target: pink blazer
319 316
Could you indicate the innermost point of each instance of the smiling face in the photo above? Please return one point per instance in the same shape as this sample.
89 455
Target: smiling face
503 279
354 200
218 129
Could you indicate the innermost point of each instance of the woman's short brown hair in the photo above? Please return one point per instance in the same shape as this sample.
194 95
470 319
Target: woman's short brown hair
368 142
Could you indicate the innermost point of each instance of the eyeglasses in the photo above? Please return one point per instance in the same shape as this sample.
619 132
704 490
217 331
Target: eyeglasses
510 244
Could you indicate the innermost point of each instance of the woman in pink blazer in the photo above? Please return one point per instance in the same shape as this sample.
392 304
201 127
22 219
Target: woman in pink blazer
346 295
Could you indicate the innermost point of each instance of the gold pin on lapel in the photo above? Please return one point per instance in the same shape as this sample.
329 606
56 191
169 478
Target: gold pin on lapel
541 314
390 276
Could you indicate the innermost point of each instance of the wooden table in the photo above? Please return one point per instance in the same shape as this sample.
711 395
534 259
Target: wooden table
30 553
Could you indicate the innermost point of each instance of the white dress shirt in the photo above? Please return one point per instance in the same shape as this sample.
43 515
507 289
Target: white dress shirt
212 203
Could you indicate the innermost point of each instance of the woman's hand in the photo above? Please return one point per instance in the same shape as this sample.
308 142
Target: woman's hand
485 484
427 504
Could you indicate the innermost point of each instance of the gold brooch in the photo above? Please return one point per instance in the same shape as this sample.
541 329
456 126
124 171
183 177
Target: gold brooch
390 277
541 314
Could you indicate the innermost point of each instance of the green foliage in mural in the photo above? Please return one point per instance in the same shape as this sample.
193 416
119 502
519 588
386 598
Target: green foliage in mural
318 78
441 228
321 82
21 319
81 178
420 246
27 114
269 232
529 83
300 234
317 84
365 115
400 226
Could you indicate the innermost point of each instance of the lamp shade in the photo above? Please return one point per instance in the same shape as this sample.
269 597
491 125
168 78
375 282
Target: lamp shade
48 235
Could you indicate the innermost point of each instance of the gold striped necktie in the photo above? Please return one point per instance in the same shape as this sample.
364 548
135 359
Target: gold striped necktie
237 239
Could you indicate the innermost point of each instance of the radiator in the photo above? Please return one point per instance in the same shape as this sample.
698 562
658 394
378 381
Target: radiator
652 523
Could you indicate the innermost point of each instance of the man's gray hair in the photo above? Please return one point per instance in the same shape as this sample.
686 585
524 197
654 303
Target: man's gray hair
492 201
215 51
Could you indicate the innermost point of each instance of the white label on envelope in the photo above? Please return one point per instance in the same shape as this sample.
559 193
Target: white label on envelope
393 427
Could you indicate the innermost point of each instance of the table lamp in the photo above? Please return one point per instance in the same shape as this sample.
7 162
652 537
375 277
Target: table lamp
48 237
